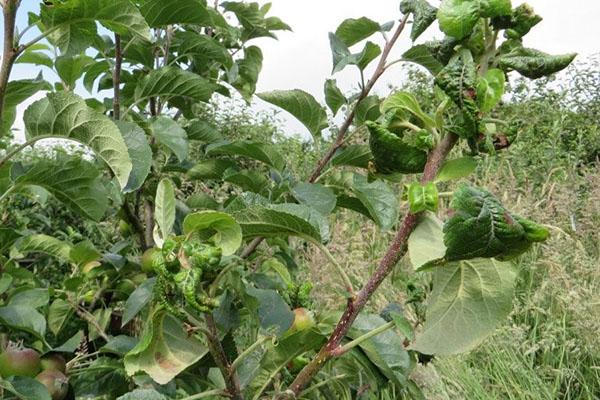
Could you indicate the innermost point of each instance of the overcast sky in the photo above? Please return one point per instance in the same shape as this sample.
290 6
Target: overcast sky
301 59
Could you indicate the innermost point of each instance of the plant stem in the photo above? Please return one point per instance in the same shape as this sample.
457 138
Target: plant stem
339 140
19 148
393 254
117 78
232 381
236 363
209 393
379 70
10 52
338 267
350 345
149 222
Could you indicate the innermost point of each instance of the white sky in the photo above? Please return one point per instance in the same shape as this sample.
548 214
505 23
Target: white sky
302 60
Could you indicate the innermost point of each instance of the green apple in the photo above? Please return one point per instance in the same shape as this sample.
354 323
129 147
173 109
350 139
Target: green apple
54 362
56 382
20 362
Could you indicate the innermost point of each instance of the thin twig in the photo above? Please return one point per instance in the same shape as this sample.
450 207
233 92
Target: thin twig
117 78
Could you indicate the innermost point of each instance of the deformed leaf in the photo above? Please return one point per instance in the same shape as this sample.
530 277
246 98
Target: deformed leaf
228 234
423 197
432 55
490 89
469 300
423 15
533 63
481 227
457 18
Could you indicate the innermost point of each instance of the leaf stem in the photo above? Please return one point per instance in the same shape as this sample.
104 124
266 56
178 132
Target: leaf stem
350 345
236 363
338 267
209 393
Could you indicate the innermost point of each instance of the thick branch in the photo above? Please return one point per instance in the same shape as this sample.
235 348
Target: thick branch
117 78
232 381
395 251
10 52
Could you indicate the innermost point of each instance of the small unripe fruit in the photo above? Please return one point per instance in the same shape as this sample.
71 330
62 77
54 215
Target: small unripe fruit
124 289
124 228
303 319
54 362
148 258
20 362
56 383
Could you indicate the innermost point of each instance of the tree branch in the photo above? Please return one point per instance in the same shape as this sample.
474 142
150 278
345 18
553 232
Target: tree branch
339 140
10 52
149 222
379 70
393 254
232 381
117 78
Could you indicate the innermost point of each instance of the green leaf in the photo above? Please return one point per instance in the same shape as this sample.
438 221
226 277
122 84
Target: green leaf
18 91
272 310
210 169
457 18
138 300
334 97
352 31
164 213
279 356
407 102
315 195
385 350
84 252
140 154
228 234
379 199
70 68
92 72
490 89
24 318
44 244
120 345
25 388
456 169
36 58
143 394
7 237
67 116
310 214
520 22
170 82
58 313
73 181
432 55
368 110
203 131
73 23
164 350
103 378
71 345
160 13
534 63
423 197
301 105
247 180
426 242
249 68
260 221
495 8
168 133
36 298
469 300
481 227
423 15
202 49
255 150
355 155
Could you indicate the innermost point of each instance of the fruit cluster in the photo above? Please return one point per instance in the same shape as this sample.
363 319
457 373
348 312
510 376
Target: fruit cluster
49 369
